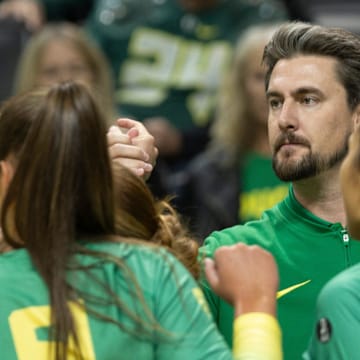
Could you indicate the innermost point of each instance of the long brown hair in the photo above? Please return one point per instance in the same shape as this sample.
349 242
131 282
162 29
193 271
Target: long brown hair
62 191
62 186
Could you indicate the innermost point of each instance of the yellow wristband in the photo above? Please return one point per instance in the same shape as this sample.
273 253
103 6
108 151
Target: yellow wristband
257 336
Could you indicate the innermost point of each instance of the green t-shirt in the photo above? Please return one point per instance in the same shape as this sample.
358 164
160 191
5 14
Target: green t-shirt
260 188
169 291
308 250
168 62
337 329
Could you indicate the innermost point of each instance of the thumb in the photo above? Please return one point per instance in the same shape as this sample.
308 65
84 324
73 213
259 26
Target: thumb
211 273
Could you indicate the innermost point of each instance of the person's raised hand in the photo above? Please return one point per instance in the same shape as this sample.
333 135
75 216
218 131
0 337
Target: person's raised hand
131 145
245 276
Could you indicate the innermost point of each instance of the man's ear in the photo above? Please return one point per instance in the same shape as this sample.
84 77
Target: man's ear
356 116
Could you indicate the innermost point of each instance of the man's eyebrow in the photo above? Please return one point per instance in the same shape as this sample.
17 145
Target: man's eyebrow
270 93
298 91
273 93
307 90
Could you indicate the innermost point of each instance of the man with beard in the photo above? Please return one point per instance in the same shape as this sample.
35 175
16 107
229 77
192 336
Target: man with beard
313 87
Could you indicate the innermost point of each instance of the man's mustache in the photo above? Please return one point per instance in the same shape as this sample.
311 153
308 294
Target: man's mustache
288 139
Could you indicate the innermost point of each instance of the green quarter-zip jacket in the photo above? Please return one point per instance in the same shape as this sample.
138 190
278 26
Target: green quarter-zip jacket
308 250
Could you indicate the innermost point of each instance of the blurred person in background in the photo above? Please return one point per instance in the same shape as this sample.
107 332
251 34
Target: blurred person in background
168 64
62 52
233 181
168 58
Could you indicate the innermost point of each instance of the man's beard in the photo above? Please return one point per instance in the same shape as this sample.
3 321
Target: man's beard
310 164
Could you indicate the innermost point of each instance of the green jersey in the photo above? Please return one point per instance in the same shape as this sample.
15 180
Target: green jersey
308 250
336 335
169 291
260 188
168 62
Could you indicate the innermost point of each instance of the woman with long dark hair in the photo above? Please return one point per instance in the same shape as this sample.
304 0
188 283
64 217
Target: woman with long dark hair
71 282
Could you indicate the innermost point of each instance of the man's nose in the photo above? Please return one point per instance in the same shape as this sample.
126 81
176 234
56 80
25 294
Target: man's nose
288 116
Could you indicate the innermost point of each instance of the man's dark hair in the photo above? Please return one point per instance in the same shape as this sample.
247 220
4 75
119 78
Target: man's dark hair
298 39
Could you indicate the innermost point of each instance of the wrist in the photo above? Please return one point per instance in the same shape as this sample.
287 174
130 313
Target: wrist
264 304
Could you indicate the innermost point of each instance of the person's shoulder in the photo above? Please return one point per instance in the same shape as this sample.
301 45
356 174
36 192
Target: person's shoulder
249 233
341 290
146 261
340 296
18 259
336 312
133 251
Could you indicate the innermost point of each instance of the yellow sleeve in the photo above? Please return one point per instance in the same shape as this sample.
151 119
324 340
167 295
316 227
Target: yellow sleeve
257 336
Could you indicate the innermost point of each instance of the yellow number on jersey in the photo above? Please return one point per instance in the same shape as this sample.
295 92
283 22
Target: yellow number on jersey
200 298
25 322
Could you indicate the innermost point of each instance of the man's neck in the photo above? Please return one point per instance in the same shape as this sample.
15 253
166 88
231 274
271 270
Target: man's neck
321 195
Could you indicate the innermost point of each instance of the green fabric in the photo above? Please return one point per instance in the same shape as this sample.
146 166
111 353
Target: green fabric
167 62
260 188
169 290
336 334
305 248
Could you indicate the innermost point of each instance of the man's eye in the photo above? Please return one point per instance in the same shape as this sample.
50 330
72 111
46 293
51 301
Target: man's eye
309 100
274 103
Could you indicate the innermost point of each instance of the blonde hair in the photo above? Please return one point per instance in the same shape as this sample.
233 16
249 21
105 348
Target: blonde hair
28 68
232 128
